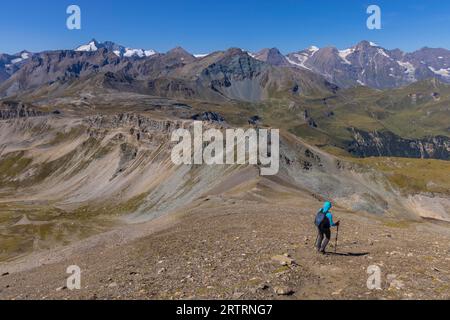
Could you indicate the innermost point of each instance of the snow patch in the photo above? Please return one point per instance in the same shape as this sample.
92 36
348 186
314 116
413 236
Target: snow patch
441 72
301 59
149 53
23 56
345 53
409 70
129 52
383 53
361 83
17 60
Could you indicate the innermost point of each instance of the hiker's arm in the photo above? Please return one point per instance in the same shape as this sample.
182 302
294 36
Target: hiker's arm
330 217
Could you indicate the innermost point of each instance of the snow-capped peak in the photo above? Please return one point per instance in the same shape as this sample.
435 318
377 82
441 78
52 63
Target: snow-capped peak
24 55
313 49
90 47
118 50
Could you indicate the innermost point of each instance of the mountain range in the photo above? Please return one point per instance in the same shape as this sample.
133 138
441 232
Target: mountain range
221 75
367 64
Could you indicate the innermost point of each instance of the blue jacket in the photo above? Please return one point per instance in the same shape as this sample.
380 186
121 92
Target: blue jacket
326 208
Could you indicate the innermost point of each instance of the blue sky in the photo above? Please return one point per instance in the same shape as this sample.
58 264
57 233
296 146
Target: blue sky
202 26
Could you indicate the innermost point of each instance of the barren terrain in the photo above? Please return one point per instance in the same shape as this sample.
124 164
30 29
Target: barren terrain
225 246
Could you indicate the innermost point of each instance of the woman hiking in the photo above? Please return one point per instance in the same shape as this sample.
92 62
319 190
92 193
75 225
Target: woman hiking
324 221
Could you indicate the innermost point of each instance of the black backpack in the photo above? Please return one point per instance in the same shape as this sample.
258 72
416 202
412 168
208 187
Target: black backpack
321 220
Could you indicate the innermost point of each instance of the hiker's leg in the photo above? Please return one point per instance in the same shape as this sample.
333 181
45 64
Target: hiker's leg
319 239
327 233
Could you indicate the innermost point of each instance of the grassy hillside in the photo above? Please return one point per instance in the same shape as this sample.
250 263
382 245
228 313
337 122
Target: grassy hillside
416 111
413 175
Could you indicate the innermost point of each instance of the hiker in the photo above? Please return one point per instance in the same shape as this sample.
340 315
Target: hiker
324 221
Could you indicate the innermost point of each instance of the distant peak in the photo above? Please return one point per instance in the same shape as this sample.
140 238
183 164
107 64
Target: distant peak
273 50
234 51
180 54
312 50
366 44
272 56
90 47
178 50
24 54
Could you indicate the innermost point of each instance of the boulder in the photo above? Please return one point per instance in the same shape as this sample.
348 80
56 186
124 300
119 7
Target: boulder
283 260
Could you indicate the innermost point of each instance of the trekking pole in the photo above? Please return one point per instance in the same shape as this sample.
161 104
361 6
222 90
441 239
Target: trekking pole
317 239
335 245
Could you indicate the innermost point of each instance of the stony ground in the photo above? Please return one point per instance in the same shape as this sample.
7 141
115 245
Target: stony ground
251 246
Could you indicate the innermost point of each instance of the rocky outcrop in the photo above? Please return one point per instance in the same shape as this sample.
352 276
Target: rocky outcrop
310 121
387 144
255 120
236 76
13 110
142 128
208 116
